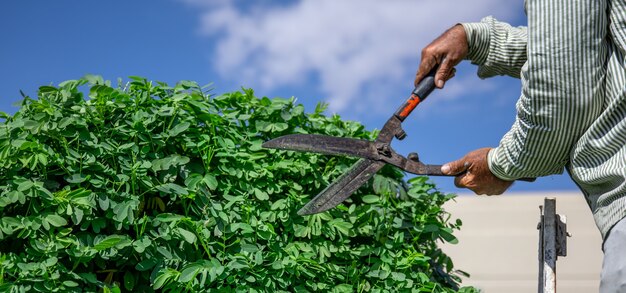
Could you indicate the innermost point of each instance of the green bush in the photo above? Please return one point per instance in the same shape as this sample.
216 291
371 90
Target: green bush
146 187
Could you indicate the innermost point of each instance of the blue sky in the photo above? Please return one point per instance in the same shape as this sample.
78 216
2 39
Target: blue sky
359 56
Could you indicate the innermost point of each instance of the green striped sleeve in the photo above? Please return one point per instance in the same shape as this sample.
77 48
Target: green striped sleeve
478 38
496 47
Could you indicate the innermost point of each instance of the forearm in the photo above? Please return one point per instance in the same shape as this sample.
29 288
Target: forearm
496 47
562 88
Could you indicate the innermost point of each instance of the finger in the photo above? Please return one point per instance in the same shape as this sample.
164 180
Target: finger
452 74
459 181
426 65
455 167
444 73
467 180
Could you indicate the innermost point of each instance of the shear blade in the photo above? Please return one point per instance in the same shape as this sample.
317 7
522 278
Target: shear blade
342 187
324 144
346 184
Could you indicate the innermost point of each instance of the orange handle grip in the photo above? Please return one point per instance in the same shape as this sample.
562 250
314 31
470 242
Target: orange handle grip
419 94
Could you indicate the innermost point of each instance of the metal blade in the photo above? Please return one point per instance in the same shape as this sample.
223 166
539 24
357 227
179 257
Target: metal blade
342 187
324 144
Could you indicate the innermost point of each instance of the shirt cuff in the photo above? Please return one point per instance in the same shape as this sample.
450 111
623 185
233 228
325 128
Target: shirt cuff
496 168
478 39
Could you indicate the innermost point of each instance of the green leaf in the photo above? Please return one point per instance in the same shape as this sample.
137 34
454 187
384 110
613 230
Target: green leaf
397 276
169 217
18 142
161 280
341 226
193 180
126 146
164 252
89 277
25 185
189 273
342 288
172 188
65 122
245 228
77 178
56 220
187 235
431 228
70 284
108 242
169 161
31 124
249 248
122 211
140 245
380 274
164 277
260 194
179 128
237 264
278 127
51 261
77 216
446 234
146 264
210 181
370 198
129 281
278 205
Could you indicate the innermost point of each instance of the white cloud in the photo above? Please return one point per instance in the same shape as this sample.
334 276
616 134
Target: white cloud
356 49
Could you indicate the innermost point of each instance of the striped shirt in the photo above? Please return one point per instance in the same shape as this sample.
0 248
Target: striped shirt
572 110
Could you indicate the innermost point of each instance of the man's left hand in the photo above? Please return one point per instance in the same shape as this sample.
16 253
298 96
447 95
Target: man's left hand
472 172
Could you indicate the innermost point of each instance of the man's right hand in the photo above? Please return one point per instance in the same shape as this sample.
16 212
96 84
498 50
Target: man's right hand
446 52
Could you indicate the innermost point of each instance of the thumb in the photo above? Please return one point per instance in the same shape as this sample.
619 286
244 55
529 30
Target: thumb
454 168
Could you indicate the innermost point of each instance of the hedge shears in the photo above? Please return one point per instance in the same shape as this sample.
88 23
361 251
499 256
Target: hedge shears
373 154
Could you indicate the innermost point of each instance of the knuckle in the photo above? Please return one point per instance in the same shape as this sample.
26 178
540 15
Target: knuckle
428 52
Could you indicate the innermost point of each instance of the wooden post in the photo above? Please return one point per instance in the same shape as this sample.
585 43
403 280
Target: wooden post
552 243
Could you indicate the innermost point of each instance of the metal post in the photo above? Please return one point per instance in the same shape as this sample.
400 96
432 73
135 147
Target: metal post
552 243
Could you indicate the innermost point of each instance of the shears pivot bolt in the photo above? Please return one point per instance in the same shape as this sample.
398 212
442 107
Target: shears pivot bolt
384 150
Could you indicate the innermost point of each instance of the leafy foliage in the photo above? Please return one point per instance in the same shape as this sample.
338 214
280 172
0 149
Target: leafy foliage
150 187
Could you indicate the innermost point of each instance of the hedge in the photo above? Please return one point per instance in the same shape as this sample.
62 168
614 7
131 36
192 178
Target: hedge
147 187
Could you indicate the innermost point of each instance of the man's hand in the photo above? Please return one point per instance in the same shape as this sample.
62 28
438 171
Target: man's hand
472 171
446 51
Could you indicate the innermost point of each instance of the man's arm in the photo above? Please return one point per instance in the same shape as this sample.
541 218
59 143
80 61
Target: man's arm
562 88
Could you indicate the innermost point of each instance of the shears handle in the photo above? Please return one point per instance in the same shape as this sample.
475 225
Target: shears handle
413 165
419 94
435 170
